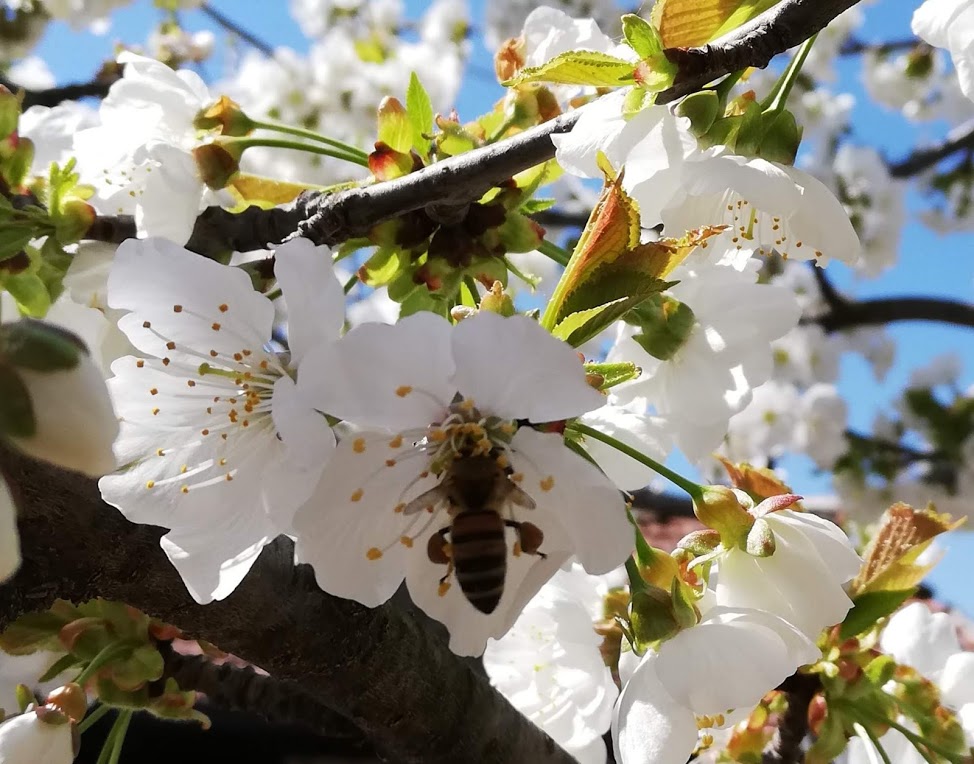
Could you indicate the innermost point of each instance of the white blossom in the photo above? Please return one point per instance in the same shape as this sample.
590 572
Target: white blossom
425 397
26 738
9 537
801 581
728 661
551 669
217 444
949 24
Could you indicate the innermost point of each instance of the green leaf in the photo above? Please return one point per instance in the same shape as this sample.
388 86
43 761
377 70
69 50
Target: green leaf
665 325
384 266
690 23
13 240
655 73
420 111
395 129
29 291
579 327
641 35
59 666
32 632
579 67
868 608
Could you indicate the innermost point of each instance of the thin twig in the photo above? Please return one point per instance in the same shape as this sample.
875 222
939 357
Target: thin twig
56 95
231 26
958 139
893 309
854 47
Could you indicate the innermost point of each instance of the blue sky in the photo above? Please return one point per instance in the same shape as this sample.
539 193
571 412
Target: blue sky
929 264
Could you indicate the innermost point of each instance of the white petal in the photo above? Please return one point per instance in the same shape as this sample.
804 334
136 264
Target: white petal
353 510
821 222
921 639
577 495
315 300
26 738
395 377
646 434
957 680
305 433
145 276
213 566
172 195
649 727
514 369
9 537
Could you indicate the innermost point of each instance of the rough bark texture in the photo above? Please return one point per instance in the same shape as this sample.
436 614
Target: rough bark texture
380 668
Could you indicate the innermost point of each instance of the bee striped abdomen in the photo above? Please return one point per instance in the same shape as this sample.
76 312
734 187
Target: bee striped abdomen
479 550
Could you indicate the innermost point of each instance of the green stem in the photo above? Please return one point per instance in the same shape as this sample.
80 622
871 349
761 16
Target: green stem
120 729
107 655
108 747
695 491
919 742
240 144
502 128
471 286
352 281
782 89
92 718
274 294
556 253
724 87
864 730
311 135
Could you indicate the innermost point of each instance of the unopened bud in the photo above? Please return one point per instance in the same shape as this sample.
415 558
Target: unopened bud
73 220
461 312
700 542
509 59
497 301
760 539
781 138
9 112
226 116
652 615
218 162
394 128
71 700
54 404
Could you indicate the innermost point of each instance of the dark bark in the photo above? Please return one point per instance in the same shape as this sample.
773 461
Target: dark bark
54 96
850 315
785 746
380 668
961 138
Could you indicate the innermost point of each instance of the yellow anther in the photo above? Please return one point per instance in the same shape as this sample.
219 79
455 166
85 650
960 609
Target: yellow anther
155 412
170 345
224 308
437 436
154 391
517 549
358 445
466 405
374 553
183 470
517 477
396 442
443 588
177 308
399 507
229 477
215 326
223 462
406 542
160 452
503 462
357 496
140 363
150 483
547 483
390 462
185 489
403 390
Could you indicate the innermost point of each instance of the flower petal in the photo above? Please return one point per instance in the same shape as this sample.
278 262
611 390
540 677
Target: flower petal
315 300
582 500
649 727
514 369
916 637
394 377
9 537
646 434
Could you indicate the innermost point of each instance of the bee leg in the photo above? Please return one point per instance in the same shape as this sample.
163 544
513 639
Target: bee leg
529 538
438 549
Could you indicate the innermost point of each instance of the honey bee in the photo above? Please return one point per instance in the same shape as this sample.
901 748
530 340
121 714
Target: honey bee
476 490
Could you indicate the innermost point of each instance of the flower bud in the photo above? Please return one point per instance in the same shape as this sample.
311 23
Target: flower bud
9 112
227 116
31 738
217 162
760 539
701 109
70 700
54 403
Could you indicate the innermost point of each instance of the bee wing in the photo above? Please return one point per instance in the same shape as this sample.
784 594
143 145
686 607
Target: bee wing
429 498
520 497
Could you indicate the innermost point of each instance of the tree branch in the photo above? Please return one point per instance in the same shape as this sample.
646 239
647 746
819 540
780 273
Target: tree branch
785 746
231 26
54 96
960 138
853 47
381 668
849 314
783 26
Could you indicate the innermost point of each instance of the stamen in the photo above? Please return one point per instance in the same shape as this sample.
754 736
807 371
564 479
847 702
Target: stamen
374 553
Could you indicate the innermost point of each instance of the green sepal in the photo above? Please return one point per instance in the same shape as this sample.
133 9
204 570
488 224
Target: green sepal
701 109
665 324
635 101
869 608
40 346
641 35
652 616
382 267
30 293
781 138
578 67
578 328
880 669
16 408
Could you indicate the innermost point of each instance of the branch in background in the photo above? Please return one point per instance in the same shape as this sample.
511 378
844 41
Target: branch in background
783 26
853 47
849 315
381 668
785 746
232 27
958 139
54 96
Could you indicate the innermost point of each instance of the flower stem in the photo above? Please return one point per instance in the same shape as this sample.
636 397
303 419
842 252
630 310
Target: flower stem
107 655
502 128
864 730
644 552
92 718
278 143
556 253
120 729
695 491
352 281
919 742
779 95
636 581
724 87
310 135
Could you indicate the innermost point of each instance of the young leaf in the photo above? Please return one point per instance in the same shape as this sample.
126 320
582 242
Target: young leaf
641 35
578 328
690 23
420 112
579 67
869 607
